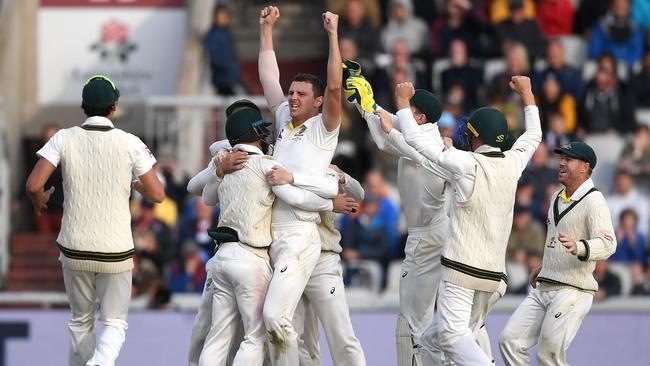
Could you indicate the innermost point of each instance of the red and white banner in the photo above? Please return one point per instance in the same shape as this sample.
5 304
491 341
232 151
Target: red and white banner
137 43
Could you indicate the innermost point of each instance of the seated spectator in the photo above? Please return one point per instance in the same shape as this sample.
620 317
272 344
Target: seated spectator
516 64
401 67
519 29
553 100
555 17
541 173
527 236
219 44
641 82
149 261
144 219
462 73
618 34
608 105
189 275
403 25
631 249
635 158
608 283
461 21
570 78
366 236
587 15
195 224
500 10
627 196
556 135
356 25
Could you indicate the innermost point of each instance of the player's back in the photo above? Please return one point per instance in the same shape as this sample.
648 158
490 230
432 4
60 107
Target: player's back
245 200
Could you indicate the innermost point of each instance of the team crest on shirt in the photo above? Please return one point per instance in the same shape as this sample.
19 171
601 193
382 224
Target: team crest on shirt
280 135
551 243
301 132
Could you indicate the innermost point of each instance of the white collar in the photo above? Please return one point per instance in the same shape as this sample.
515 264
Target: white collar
248 148
486 148
98 121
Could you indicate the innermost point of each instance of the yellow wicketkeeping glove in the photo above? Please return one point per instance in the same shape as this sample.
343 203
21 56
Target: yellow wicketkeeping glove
358 90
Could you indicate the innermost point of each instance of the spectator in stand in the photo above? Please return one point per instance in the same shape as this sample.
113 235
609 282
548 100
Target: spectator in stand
588 14
553 100
462 21
556 135
570 78
641 82
541 174
367 235
455 102
618 34
49 220
519 29
402 67
149 258
641 13
357 26
500 10
527 236
608 105
517 63
627 196
462 73
190 275
447 124
145 219
631 249
608 283
635 158
555 17
220 46
195 225
403 25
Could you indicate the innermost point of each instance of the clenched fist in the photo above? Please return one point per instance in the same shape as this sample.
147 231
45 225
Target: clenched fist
521 85
403 94
269 15
330 22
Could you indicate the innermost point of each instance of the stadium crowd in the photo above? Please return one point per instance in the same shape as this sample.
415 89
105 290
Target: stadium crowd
590 66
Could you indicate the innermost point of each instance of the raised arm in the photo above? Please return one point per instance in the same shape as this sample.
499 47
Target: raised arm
332 100
267 64
525 146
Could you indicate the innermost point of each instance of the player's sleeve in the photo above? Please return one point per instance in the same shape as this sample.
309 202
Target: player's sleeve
325 186
198 182
52 149
295 196
378 135
270 79
601 242
282 117
352 188
219 145
525 146
210 193
143 159
321 137
428 145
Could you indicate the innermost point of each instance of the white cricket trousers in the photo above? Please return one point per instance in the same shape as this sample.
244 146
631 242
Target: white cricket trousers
549 319
294 254
86 291
305 324
417 291
203 323
238 282
457 324
326 294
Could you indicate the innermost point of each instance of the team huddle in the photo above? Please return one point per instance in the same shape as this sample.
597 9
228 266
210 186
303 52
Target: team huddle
277 268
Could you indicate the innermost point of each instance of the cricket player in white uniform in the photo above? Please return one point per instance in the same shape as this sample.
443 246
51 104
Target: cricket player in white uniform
99 163
305 144
240 271
484 185
580 232
325 291
421 186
